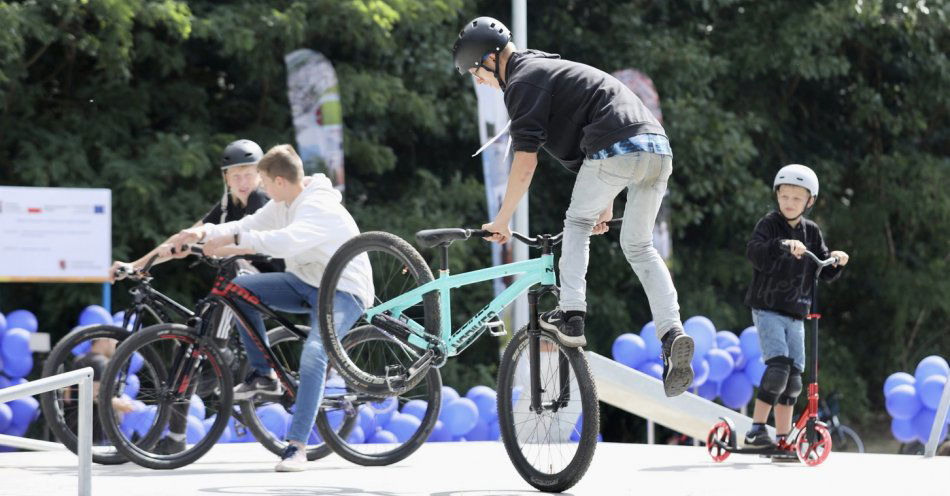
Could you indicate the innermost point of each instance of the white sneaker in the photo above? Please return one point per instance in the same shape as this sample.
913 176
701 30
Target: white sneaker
293 459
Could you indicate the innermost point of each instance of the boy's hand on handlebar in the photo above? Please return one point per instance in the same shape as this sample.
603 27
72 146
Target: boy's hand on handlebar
841 256
120 270
601 226
502 233
795 247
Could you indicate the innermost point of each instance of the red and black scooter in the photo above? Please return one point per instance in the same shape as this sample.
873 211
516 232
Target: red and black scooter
809 439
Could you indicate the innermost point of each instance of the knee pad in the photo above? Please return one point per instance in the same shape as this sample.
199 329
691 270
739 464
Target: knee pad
774 379
792 389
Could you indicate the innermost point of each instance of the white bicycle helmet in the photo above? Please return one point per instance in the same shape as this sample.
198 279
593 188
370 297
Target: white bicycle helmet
797 175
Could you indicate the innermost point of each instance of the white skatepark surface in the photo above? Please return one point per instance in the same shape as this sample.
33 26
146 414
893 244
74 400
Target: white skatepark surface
482 469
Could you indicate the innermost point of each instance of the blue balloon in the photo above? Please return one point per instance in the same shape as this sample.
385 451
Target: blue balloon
494 430
721 364
754 370
367 418
903 430
703 333
931 390
384 410
274 418
477 390
652 369
18 366
3 324
336 418
132 385
709 390
578 428
135 363
923 422
749 342
449 394
415 408
357 436
487 404
194 430
22 319
902 402
737 357
4 382
82 348
25 410
898 379
95 315
700 373
403 426
6 417
480 432
725 339
654 347
630 350
736 391
932 365
196 407
439 433
460 416
382 437
16 342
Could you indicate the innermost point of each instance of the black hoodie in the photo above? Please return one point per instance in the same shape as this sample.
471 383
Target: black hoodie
571 109
780 282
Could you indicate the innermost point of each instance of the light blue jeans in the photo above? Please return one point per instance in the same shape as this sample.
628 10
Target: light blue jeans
285 292
780 335
644 175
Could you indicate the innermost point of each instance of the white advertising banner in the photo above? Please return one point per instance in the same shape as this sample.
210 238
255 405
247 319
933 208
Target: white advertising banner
55 234
314 96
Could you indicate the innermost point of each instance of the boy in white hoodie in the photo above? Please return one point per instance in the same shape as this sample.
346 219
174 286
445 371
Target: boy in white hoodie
304 223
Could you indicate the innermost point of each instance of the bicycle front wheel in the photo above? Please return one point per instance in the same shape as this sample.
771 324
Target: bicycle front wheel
180 414
551 447
363 445
396 268
61 406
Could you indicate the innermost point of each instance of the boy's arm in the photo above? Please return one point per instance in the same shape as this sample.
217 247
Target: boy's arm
310 227
764 249
519 180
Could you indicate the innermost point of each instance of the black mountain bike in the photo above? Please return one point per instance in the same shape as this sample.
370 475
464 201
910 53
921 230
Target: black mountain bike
193 366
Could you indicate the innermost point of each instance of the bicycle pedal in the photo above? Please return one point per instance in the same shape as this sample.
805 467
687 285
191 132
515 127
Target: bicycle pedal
396 377
497 328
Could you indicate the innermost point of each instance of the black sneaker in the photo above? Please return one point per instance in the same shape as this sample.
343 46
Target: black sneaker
257 384
169 446
570 332
677 358
758 438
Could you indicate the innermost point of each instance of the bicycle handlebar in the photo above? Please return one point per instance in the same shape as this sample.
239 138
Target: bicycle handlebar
820 262
536 241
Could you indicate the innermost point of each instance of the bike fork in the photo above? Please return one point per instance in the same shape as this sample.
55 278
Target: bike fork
534 361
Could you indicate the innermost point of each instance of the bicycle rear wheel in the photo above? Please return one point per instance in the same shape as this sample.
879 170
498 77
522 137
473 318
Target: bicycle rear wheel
268 419
61 406
173 424
846 440
397 268
342 405
551 448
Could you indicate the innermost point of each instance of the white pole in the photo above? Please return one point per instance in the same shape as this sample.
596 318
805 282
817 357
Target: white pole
85 434
939 421
519 30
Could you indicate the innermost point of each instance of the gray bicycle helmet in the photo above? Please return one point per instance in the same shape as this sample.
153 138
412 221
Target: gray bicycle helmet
797 175
480 37
241 152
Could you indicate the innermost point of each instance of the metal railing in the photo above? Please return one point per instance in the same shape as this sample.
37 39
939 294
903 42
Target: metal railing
83 377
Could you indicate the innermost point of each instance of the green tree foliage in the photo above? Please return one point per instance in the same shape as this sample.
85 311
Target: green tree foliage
141 96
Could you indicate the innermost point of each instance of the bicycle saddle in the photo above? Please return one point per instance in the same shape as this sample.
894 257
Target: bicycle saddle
435 237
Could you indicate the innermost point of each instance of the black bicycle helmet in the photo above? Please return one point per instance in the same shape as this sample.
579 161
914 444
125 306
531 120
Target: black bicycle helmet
241 152
480 37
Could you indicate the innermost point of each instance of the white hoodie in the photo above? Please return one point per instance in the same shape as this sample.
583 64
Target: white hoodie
305 234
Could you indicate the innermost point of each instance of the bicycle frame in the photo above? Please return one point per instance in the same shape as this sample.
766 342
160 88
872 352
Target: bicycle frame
535 271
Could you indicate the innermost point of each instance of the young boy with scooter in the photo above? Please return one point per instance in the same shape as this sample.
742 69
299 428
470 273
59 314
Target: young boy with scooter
780 297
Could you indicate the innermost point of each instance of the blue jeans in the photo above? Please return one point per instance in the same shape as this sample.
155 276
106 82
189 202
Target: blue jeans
780 335
285 292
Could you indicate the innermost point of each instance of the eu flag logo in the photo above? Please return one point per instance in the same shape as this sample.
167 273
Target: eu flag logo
99 209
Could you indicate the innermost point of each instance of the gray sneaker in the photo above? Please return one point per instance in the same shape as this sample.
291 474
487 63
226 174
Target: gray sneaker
256 384
677 362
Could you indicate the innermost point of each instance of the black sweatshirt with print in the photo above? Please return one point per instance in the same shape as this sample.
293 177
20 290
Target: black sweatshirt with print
782 283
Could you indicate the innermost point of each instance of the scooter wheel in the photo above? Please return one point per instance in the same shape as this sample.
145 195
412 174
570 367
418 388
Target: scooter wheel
813 454
717 441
